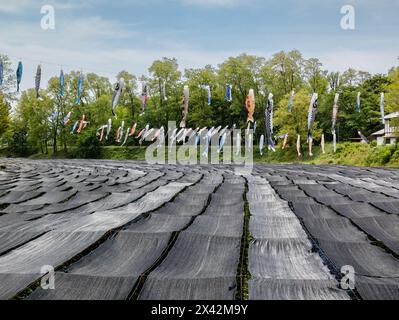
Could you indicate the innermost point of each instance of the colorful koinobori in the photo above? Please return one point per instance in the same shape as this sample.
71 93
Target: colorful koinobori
164 97
19 74
185 102
250 105
269 122
291 101
1 73
62 82
144 97
37 80
67 118
117 94
382 107
228 94
311 118
209 93
80 88
334 121
122 136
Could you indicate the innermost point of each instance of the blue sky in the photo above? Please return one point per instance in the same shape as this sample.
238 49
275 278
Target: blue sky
106 37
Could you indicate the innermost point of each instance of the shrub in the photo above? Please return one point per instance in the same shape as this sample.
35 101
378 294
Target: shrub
88 146
380 155
19 145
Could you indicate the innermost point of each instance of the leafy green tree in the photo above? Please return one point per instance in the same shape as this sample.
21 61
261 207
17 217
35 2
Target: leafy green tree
295 123
88 146
32 117
8 88
37 124
165 71
315 76
4 115
333 79
243 73
201 114
129 99
392 91
286 72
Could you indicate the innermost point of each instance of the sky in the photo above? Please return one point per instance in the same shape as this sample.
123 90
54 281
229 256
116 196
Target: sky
109 36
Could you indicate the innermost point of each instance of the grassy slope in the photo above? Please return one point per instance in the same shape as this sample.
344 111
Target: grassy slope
354 154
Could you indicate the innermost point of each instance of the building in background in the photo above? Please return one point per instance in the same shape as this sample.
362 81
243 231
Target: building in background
390 134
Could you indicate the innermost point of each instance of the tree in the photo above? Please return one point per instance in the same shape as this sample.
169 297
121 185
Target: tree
165 71
4 115
286 71
96 86
243 73
201 114
129 99
349 77
7 89
295 123
392 91
333 80
37 124
315 75
33 116
352 77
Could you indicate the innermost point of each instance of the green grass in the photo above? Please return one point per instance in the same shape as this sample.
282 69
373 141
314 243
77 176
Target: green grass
348 153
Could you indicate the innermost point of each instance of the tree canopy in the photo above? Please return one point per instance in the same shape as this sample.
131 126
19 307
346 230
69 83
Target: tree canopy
40 120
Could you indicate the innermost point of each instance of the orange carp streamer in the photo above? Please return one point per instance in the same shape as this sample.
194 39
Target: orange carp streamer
250 105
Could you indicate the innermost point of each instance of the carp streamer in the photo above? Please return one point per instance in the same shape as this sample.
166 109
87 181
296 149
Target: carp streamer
334 121
19 74
80 87
250 105
117 94
311 117
269 123
37 80
186 96
228 94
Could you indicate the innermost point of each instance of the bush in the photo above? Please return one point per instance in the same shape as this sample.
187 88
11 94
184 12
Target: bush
19 145
395 156
88 146
380 155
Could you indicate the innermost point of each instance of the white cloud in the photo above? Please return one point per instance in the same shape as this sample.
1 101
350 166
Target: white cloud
373 61
79 32
21 6
106 46
105 62
214 3
93 44
14 6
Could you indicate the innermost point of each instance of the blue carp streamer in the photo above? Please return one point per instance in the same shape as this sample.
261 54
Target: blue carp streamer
62 82
19 74
228 95
80 87
1 73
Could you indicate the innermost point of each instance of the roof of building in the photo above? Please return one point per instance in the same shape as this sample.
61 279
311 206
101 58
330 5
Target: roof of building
379 133
392 115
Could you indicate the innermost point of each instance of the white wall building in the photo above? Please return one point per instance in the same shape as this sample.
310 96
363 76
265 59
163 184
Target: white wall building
388 135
